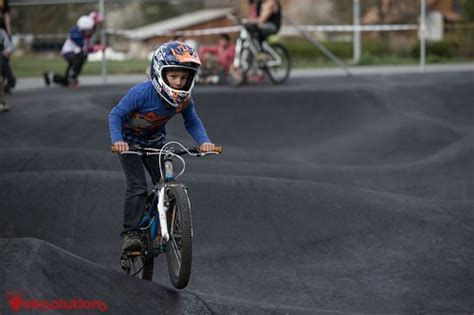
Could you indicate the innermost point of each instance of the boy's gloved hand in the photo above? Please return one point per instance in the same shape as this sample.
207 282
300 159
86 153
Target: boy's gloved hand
121 146
207 146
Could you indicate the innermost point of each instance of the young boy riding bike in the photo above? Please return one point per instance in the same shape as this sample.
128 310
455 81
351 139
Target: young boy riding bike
140 119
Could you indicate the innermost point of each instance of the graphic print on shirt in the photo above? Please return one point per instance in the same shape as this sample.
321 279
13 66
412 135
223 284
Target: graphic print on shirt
139 122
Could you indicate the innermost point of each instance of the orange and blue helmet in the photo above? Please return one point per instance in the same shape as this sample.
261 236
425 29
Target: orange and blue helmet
171 56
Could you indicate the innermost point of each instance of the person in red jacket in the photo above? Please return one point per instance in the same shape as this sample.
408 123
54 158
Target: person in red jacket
222 54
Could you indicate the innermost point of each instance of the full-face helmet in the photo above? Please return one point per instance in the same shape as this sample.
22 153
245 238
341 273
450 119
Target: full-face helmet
174 55
85 23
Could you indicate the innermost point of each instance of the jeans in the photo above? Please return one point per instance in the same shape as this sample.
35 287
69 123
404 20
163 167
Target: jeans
2 93
137 189
74 67
8 73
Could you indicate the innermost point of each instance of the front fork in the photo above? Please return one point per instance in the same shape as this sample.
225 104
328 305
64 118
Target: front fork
163 202
163 206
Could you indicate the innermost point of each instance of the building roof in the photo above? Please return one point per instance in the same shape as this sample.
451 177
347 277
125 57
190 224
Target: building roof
177 23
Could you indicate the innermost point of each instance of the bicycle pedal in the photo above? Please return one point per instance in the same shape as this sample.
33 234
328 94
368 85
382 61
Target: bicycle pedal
125 264
132 253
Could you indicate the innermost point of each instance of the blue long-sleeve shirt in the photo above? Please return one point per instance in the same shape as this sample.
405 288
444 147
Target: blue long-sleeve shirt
76 42
141 116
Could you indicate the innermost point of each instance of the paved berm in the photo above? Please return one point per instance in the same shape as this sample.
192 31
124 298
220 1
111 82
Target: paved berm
333 195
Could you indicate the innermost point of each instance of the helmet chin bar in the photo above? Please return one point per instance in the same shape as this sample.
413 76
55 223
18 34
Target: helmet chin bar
172 101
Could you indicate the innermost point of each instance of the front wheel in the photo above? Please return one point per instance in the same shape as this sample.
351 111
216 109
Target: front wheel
179 246
279 66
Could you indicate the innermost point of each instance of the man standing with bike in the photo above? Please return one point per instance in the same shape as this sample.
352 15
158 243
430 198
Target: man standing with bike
140 119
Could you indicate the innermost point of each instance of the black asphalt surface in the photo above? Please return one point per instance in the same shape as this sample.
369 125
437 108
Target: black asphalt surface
332 195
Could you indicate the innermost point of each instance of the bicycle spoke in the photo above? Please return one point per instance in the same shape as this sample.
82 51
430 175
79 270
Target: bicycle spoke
177 236
177 253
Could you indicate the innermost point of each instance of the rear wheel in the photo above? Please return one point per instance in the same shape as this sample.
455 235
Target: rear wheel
278 70
140 263
179 246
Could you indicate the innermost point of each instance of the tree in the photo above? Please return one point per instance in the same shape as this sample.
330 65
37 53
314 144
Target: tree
468 10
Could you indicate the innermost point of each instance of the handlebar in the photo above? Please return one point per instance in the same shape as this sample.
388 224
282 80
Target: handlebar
168 151
136 149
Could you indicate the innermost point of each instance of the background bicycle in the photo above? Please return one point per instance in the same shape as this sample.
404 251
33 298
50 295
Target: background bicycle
167 223
272 58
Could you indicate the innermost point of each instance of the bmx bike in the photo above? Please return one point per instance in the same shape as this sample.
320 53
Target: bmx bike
276 63
166 226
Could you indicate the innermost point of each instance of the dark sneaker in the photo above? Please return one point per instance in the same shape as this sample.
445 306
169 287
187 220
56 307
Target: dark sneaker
132 241
73 83
4 107
10 85
47 78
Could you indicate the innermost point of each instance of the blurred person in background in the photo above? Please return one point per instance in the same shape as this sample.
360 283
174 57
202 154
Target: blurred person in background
5 14
98 20
9 79
75 50
254 8
98 23
5 21
217 59
5 47
264 18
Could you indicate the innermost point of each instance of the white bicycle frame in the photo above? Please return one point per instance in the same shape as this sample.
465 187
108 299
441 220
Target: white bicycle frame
276 59
161 206
246 41
162 209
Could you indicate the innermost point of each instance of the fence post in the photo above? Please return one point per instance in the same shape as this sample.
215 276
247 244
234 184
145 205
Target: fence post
356 42
103 39
422 36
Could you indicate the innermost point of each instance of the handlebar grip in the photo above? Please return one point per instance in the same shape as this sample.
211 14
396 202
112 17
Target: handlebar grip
114 149
218 149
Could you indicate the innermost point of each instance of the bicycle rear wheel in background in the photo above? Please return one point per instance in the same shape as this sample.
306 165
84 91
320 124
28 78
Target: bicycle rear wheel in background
140 264
239 76
279 74
179 246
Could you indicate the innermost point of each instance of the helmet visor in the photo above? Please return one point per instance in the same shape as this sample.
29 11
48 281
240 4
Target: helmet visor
179 78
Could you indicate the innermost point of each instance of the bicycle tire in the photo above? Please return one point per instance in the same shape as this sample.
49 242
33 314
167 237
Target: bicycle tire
240 74
179 246
148 256
141 266
286 62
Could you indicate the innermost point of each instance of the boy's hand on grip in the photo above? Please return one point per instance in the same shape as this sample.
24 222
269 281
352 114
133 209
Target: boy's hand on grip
120 146
206 147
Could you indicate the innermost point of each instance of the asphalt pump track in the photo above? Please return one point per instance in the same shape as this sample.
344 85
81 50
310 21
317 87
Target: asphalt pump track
332 195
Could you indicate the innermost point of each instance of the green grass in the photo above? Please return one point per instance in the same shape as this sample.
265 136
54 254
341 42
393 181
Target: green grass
35 65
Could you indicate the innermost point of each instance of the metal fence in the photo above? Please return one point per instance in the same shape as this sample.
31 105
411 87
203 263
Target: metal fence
343 20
